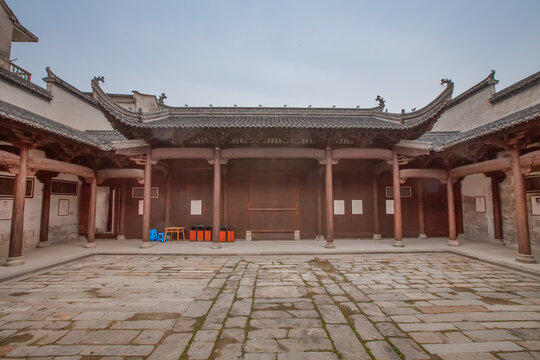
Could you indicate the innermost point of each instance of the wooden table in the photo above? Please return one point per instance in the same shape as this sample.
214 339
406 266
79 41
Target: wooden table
175 230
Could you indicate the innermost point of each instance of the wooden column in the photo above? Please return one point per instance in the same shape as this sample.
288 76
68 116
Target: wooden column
459 208
15 256
496 179
452 232
376 223
225 195
217 198
145 243
45 210
91 235
524 241
122 213
168 200
421 221
329 201
320 231
398 230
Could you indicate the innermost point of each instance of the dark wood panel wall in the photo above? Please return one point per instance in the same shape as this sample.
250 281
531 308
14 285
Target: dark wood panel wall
193 180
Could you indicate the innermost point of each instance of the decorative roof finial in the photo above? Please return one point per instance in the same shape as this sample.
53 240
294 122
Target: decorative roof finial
161 99
448 82
98 79
380 100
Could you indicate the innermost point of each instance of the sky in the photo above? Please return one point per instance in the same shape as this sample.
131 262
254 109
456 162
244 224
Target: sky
275 52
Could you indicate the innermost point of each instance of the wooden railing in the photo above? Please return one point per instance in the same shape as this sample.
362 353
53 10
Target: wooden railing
20 72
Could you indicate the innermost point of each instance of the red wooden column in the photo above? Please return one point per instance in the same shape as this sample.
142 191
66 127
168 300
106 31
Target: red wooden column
524 241
452 232
376 224
421 221
217 198
320 231
145 243
329 201
496 179
45 210
398 230
91 236
15 256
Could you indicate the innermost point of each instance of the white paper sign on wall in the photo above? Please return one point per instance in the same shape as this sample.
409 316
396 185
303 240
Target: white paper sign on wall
389 206
339 207
141 207
357 207
196 207
535 205
480 203
6 207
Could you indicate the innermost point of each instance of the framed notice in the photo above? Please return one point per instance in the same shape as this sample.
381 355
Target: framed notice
480 204
404 191
196 207
141 207
389 207
535 204
339 207
6 207
357 207
63 207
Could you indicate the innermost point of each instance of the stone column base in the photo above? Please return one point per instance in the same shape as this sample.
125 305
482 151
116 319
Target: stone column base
461 236
43 244
248 235
398 243
82 237
120 237
319 237
145 245
90 244
215 246
453 242
527 259
15 260
296 234
422 237
377 237
330 245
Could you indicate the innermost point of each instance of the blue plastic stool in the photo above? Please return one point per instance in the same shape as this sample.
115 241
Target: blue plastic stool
153 235
161 237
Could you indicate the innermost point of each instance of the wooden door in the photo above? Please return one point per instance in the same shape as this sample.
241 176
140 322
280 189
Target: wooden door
273 204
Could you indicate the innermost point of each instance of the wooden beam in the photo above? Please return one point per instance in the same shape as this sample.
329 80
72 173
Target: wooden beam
398 226
441 175
365 153
272 153
530 159
145 243
524 240
15 256
329 201
499 164
182 153
104 174
216 199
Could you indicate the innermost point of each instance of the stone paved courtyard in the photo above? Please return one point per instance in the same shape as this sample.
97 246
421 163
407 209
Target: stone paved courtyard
398 306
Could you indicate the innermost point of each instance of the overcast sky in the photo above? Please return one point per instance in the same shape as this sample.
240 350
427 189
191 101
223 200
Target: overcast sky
276 52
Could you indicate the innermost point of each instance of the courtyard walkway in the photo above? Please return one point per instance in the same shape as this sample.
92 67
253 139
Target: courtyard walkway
290 307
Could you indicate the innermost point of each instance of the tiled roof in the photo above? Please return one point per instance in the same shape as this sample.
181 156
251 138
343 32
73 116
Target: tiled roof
24 84
270 118
515 88
98 139
445 140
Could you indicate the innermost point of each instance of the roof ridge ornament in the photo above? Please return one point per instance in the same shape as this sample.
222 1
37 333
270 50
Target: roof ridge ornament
161 99
98 79
381 102
448 82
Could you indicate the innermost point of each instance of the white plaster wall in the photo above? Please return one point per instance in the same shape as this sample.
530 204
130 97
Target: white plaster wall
477 110
477 225
147 103
102 208
6 34
64 228
64 107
